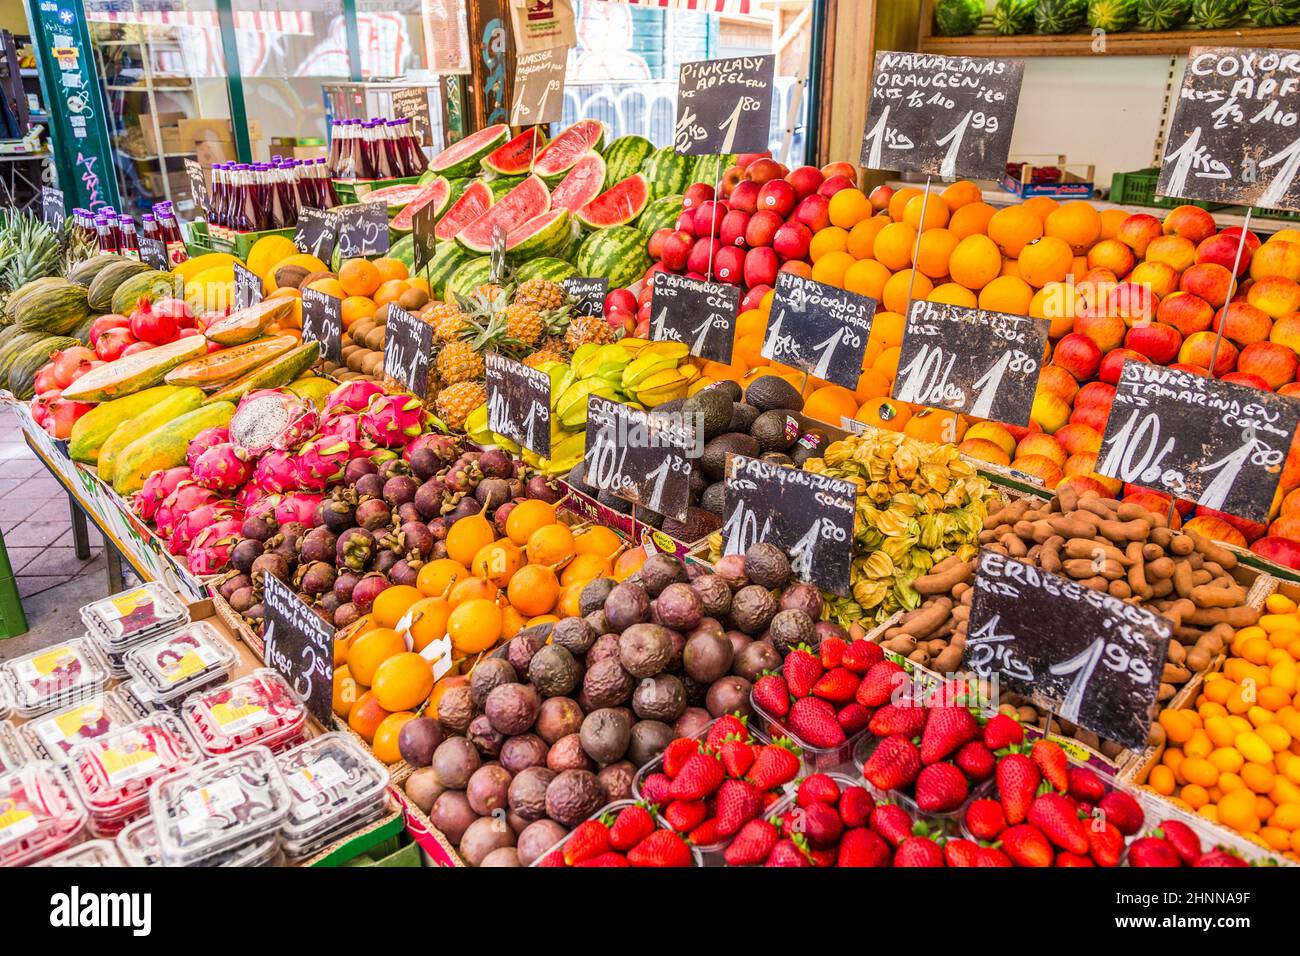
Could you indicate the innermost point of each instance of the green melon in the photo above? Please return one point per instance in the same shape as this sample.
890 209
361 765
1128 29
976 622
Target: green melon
957 18
542 235
1059 16
624 156
710 167
1274 13
660 214
462 158
447 258
1156 16
546 267
469 275
617 254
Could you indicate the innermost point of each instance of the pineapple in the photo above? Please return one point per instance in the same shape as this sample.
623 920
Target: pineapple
543 294
551 350
448 320
29 249
455 403
588 328
524 322
492 295
458 362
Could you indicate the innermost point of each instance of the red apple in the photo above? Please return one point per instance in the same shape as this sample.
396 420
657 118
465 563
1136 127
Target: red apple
1246 378
729 265
745 160
1094 416
656 244
778 196
1112 365
847 170
1138 230
1222 250
1095 393
762 228
814 212
686 223
732 230
1244 323
833 184
1156 341
731 178
761 265
622 299
708 216
744 196
701 255
676 249
1078 355
1191 222
1279 550
1274 363
880 197
1132 302
764 170
621 320
754 294
806 180
697 193
1186 312
791 241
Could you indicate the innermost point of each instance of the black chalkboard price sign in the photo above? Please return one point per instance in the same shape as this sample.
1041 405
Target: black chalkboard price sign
198 185
52 207
362 229
588 294
1235 134
315 232
408 350
519 403
724 106
946 116
979 363
699 313
807 515
154 253
1093 659
300 646
819 329
639 456
422 237
539 86
1220 444
322 321
412 103
248 287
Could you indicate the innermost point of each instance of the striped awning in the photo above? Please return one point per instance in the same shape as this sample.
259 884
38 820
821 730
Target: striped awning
700 6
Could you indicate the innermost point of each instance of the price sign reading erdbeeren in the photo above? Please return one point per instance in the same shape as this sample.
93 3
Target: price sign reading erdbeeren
819 329
698 313
639 456
947 116
724 106
1220 444
1235 134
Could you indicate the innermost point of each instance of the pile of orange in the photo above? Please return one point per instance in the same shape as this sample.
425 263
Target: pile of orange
367 285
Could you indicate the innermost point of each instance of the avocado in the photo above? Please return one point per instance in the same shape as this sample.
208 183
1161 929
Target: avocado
713 461
614 502
742 416
713 406
577 481
768 392
697 524
778 458
776 430
811 444
712 500
726 387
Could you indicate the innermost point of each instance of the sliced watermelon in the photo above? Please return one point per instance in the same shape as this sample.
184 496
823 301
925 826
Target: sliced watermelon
514 158
462 157
530 198
473 202
542 235
581 186
562 153
437 194
618 205
399 196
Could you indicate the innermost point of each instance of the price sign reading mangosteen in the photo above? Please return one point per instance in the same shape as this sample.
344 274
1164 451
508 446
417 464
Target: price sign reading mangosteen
724 106
1093 659
588 294
807 515
198 186
539 86
52 207
300 646
946 116
1235 134
980 363
642 457
362 229
154 253
408 350
519 403
1220 444
322 321
701 314
315 233
248 287
819 329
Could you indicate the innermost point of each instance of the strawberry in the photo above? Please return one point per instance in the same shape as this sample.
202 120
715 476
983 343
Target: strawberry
961 852
853 717
1084 785
837 685
655 787
918 851
892 822
725 727
1056 816
1220 858
861 655
1018 779
685 815
1002 731
976 760
861 847
1105 842
737 757
1123 811
813 721
739 801
893 764
1052 763
1153 851
706 834
590 839
802 671
940 787
879 683
992 856
607 859
698 777
946 729
1072 859
752 844
554 858
907 717
677 753
663 848
1027 846
817 788
1182 838
821 825
822 857
630 827
775 764
772 694
855 806
787 853
985 819
831 651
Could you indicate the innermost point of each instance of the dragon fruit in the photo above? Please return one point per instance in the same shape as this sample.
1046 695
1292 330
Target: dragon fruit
204 440
272 419
192 522
276 471
247 495
187 496
343 428
393 420
351 397
209 552
296 506
156 488
223 467
321 461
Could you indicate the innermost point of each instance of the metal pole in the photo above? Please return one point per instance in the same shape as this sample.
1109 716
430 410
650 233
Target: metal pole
1232 290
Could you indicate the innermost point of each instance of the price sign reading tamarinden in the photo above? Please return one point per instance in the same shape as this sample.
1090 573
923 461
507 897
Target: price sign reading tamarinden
640 456
979 363
947 116
1235 134
698 313
724 106
819 329
519 403
1093 659
1220 444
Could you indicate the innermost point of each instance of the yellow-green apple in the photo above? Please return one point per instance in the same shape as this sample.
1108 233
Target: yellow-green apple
1277 257
1199 346
1274 295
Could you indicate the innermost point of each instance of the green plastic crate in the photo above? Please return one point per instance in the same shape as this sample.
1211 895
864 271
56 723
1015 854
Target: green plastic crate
1138 188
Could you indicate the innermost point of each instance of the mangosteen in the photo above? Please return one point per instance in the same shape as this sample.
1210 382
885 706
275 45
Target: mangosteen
543 488
344 614
484 736
616 780
659 571
661 697
730 695
527 794
464 508
399 490
316 578
373 514
805 597
714 594
258 527
344 583
408 512
273 563
731 568
594 594
554 671
605 735
354 548
242 599
370 486
607 683
243 554
417 539
329 603
789 629
425 463
645 649
648 740
574 634
394 468
385 561
487 676
256 613
707 656
573 796
406 572
524 751
495 463
233 584
456 709
338 514
501 515
558 717
492 492
512 708
626 605
357 469
678 607
318 545
752 608
756 657
428 499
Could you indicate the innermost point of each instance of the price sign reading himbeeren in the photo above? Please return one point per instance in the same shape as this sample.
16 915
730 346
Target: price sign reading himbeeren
724 106
819 329
698 313
408 350
640 456
322 321
519 403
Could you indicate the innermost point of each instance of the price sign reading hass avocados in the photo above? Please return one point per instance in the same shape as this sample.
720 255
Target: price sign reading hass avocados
1093 659
640 456
408 350
1220 444
701 314
724 106
519 403
315 232
946 116
588 294
362 229
300 646
322 321
819 329
807 515
1235 133
978 363
248 287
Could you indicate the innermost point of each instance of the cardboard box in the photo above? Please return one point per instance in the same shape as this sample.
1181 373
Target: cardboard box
214 151
218 130
297 147
167 128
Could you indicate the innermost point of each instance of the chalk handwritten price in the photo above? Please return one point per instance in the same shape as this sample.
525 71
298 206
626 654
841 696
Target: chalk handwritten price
724 106
640 457
819 329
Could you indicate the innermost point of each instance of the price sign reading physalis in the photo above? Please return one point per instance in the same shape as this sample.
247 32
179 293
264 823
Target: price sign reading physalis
408 350
322 321
1220 444
640 456
362 229
819 329
300 645
978 363
724 106
1093 659
519 403
248 287
807 515
701 314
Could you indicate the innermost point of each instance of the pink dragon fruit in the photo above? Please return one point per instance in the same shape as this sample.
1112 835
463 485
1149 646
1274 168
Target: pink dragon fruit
342 428
272 419
204 440
223 467
191 523
209 552
276 471
156 488
444 446
247 495
392 420
296 506
187 496
321 461
351 397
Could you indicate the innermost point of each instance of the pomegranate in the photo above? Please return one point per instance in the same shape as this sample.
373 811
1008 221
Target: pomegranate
66 361
84 367
112 342
63 415
135 347
150 325
46 381
177 310
104 323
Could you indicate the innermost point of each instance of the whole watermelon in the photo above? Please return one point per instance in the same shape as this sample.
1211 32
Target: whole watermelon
1112 16
1059 16
958 18
617 254
1217 14
1013 16
624 156
1274 13
1156 16
668 171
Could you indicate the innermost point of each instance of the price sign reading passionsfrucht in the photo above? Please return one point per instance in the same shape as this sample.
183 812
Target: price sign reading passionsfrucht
818 329
519 403
639 456
697 313
724 106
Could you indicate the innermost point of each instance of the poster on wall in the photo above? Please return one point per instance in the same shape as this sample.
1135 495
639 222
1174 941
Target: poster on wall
446 39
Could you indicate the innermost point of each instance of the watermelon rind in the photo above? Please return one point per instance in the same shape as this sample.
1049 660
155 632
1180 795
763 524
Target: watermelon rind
515 156
583 183
397 197
474 202
546 267
469 275
569 251
710 167
1217 14
463 157
530 198
624 156
542 235
458 187
617 254
668 171
663 213
561 154
447 258
1059 16
617 206
502 185
437 192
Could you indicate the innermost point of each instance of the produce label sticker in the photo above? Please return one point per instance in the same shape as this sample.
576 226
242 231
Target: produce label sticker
945 116
724 106
123 764
122 605
43 665
214 800
1091 658
194 661
1235 133
1220 444
63 729
14 823
232 719
316 778
819 329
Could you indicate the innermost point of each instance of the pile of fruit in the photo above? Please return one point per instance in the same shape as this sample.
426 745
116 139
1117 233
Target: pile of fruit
627 835
1011 17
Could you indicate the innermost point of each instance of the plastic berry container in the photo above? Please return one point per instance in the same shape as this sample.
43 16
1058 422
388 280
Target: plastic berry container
336 786
129 617
699 858
55 677
42 814
181 662
138 843
815 759
90 853
13 753
54 736
219 805
260 708
6 702
264 851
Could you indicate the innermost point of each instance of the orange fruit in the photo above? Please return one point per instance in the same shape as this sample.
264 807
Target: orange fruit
830 239
830 403
390 291
1076 222
439 575
585 567
550 545
866 277
534 590
392 603
1012 228
526 517
893 245
830 268
884 412
902 287
512 622
429 621
475 625
871 384
370 650
961 193
1007 294
950 293
934 251
365 716
971 219
354 308
887 364
497 562
345 692
599 540
473 589
403 682
630 561
936 212
286 292
932 425
341 650
390 268
887 329
1040 206
329 286
848 207
749 322
384 743
898 202
1045 260
975 262
570 604
1111 220
359 277
467 536
863 236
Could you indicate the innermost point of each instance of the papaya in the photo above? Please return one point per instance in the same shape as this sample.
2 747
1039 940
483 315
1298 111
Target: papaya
247 324
172 407
92 429
165 446
279 371
215 369
133 373
154 284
